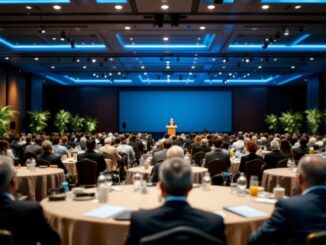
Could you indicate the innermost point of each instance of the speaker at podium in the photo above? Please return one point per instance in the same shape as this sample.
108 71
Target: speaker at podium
172 127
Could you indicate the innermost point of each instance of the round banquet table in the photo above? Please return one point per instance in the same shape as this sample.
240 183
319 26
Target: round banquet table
75 228
197 173
70 164
285 177
35 184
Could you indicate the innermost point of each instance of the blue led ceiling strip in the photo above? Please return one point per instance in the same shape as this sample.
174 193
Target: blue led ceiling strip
209 38
98 80
242 81
33 1
54 47
112 1
294 1
290 79
163 80
212 1
55 80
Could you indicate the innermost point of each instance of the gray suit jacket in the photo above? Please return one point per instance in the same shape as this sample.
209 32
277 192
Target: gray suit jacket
218 154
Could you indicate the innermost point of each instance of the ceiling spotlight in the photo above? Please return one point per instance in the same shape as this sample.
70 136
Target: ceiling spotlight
286 32
57 7
202 28
52 67
168 67
127 28
142 67
42 30
259 67
292 67
54 38
63 36
275 59
29 7
111 59
193 67
247 60
165 7
211 6
225 81
36 58
265 7
297 7
225 60
118 7
165 39
311 58
84 67
93 60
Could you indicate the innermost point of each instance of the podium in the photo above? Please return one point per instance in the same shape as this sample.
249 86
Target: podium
171 129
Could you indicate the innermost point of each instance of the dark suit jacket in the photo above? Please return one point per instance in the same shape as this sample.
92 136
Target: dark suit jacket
159 156
247 158
300 152
293 219
217 154
53 159
96 157
170 215
272 158
25 220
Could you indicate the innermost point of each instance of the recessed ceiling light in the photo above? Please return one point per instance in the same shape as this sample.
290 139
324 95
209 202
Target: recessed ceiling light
127 28
142 67
7 58
118 7
265 7
52 67
165 7
111 59
275 59
259 67
93 60
168 67
145 73
57 7
311 58
36 58
211 6
165 39
131 38
193 67
297 7
29 7
292 67
84 67
202 28
54 38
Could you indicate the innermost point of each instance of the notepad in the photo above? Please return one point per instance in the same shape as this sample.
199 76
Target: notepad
105 212
245 211
265 200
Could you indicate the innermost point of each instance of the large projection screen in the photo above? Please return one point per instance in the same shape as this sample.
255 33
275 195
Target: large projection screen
193 111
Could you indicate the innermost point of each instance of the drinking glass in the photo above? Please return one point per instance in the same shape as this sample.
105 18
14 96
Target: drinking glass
253 189
242 184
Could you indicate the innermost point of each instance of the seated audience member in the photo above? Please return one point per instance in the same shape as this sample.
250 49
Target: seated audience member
204 145
252 148
173 151
90 154
160 156
175 184
287 149
57 148
111 151
5 150
197 146
302 149
127 149
50 157
296 217
218 154
24 219
36 148
64 142
18 148
239 144
272 158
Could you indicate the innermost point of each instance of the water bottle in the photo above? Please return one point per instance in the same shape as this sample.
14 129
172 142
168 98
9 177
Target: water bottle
33 164
242 183
102 189
137 178
207 181
65 186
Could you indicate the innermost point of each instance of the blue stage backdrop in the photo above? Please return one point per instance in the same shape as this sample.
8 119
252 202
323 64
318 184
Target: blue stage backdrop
193 111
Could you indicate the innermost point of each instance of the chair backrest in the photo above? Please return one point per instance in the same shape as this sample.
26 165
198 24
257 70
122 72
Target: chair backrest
28 155
181 235
216 166
43 162
254 168
218 179
6 237
282 164
317 238
86 172
198 157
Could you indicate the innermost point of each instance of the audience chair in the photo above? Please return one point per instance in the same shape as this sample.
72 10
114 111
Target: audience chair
28 155
198 157
317 238
216 167
282 164
6 237
86 172
180 235
40 162
253 168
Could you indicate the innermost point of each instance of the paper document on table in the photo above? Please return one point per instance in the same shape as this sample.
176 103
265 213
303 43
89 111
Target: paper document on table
265 200
245 211
104 212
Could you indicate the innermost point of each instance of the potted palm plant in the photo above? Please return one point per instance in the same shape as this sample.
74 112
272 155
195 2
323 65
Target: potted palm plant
77 123
291 121
272 122
314 119
90 124
62 119
6 115
38 120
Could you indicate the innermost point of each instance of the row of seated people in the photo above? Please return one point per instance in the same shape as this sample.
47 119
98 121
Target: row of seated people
176 222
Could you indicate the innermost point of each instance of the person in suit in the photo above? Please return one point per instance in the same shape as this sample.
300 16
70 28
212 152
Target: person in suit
50 157
302 149
93 156
36 148
175 185
296 217
272 158
218 153
252 148
160 156
173 151
24 219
